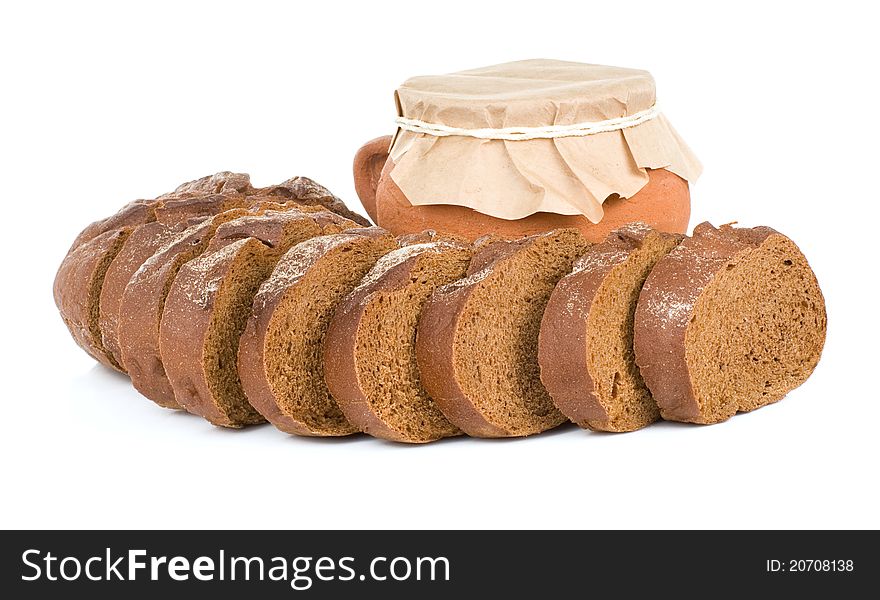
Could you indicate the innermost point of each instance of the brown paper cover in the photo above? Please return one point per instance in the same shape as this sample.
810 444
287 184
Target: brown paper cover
514 179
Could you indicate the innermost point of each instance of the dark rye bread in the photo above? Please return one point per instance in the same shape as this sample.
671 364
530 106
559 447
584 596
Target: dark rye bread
200 198
147 239
276 224
369 352
132 214
213 194
281 356
143 242
196 198
180 209
308 192
477 341
143 302
729 321
218 183
77 291
210 301
585 347
139 212
87 295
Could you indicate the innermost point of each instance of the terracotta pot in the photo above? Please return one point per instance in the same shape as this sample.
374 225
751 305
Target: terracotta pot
664 203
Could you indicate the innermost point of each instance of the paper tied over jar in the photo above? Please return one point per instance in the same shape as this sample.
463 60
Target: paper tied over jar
512 179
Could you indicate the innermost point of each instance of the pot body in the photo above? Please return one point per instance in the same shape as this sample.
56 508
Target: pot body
664 204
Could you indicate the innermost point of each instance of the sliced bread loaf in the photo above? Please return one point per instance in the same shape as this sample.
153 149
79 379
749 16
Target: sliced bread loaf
585 347
143 302
210 301
281 357
731 320
77 291
477 341
369 352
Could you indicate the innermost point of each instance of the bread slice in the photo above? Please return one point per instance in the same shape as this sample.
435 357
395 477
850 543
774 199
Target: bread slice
143 242
729 321
477 341
173 216
585 347
210 301
77 291
281 356
82 290
143 302
369 352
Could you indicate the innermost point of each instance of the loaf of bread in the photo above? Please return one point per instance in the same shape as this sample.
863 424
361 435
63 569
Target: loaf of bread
369 352
281 353
585 348
730 320
245 304
477 341
91 281
210 301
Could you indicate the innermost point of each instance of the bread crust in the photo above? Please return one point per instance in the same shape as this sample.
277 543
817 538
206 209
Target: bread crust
132 214
199 199
189 309
666 308
141 311
341 371
139 212
252 346
435 353
311 193
563 344
184 327
220 182
144 241
175 210
73 290
435 339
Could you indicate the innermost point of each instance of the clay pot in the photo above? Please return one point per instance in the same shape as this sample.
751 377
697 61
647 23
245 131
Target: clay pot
664 203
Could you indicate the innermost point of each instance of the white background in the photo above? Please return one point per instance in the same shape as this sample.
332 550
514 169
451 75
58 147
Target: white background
104 103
